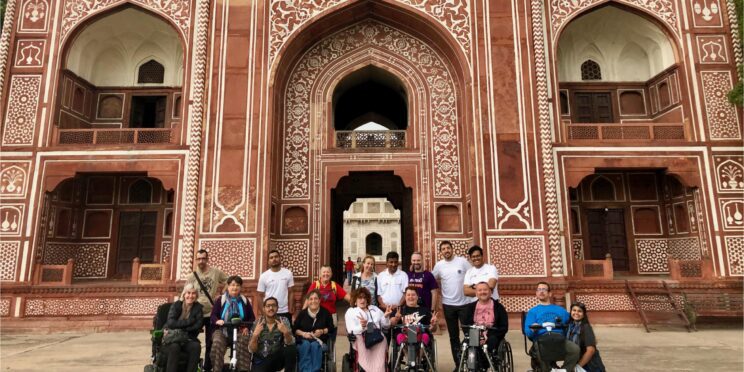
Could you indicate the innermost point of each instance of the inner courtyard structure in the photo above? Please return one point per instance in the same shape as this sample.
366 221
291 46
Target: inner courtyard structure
587 143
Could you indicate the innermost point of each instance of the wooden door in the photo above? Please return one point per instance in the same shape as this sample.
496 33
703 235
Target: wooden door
607 235
137 230
593 107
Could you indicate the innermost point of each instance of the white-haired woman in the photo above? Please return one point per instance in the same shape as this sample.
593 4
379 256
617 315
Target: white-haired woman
186 315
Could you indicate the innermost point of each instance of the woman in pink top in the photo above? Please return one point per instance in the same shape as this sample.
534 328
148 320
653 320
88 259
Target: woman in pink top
488 312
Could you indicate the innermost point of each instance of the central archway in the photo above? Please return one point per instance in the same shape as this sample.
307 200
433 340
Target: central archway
425 150
370 185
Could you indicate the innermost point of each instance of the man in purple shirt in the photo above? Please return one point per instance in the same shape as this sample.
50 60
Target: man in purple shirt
424 282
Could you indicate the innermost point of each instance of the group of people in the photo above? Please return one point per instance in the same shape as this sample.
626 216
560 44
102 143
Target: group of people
282 337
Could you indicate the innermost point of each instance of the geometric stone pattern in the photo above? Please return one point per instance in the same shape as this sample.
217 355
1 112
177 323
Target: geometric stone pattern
735 254
177 11
380 40
233 257
9 252
286 16
91 259
515 304
5 307
517 256
93 306
557 266
723 121
652 256
561 10
165 251
295 255
20 120
577 246
684 248
606 302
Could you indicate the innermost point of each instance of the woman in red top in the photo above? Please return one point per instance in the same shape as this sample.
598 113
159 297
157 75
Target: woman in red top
330 292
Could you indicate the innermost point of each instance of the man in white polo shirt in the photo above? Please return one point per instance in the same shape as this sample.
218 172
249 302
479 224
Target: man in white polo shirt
450 271
277 282
391 283
480 273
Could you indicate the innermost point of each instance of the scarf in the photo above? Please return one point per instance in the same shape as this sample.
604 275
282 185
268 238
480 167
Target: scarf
574 332
312 314
232 307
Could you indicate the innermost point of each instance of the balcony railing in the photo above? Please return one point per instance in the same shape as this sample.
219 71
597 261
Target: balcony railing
117 136
360 139
625 131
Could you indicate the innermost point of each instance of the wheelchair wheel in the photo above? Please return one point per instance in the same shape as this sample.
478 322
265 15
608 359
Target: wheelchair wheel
346 363
506 359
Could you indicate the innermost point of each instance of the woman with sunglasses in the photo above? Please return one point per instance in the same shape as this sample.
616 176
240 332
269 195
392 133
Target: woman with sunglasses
581 333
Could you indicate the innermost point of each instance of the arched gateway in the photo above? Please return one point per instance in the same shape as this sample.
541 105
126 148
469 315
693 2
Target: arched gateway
312 156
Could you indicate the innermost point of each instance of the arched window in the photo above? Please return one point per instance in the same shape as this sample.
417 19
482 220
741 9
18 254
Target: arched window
151 72
590 70
373 244
140 192
370 95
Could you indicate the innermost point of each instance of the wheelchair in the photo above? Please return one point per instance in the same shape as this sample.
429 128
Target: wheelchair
233 329
548 346
478 358
329 357
157 358
417 356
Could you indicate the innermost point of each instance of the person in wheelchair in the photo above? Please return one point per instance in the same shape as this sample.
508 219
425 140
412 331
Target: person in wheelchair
272 342
365 318
547 312
230 305
184 316
412 313
486 311
312 326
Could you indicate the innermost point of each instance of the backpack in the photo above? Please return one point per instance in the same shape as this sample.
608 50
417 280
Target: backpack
333 286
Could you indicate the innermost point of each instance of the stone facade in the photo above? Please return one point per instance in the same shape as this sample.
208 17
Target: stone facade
246 158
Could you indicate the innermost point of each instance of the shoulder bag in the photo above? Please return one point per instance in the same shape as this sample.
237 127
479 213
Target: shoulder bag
373 334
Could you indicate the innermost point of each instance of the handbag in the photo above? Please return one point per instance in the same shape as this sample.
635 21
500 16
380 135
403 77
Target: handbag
175 336
373 335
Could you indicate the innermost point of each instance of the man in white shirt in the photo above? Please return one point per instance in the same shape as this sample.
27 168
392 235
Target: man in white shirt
277 282
391 283
450 271
480 273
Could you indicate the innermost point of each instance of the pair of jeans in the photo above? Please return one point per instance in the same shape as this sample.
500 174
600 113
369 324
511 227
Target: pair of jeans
285 359
453 316
349 275
311 355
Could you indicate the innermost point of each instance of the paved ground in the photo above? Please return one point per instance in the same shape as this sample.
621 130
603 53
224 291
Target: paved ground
717 348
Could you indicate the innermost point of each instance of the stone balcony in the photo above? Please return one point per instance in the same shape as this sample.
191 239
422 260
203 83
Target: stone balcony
372 139
114 136
620 132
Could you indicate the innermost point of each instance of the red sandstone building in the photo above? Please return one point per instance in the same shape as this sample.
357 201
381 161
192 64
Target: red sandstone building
552 133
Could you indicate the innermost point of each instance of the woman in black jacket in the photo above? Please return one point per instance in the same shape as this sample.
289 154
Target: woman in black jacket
311 328
185 314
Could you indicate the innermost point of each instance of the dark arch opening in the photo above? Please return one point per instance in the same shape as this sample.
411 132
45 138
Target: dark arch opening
370 94
373 244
